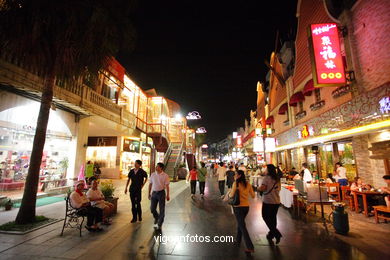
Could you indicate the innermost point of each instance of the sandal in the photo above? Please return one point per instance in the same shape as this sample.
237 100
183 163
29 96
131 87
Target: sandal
90 229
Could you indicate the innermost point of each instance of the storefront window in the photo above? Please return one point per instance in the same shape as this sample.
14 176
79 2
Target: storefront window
17 130
326 155
142 111
103 156
347 158
110 88
311 160
131 153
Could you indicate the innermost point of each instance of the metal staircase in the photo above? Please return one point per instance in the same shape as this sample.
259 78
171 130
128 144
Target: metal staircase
173 159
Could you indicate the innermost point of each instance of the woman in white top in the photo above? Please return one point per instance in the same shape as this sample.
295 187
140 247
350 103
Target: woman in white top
271 201
79 201
96 198
341 174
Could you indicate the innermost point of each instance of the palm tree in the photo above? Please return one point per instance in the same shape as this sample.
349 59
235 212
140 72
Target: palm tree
60 39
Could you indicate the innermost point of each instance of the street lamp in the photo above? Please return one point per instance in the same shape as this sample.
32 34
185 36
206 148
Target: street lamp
201 130
194 115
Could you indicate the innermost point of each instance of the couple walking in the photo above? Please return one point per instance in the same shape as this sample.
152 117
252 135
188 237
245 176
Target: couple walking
271 201
158 192
200 175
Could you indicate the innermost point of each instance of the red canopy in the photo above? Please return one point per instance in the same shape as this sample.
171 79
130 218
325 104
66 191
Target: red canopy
282 109
308 88
297 97
270 120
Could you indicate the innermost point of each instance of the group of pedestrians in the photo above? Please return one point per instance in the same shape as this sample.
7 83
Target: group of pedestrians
158 192
269 188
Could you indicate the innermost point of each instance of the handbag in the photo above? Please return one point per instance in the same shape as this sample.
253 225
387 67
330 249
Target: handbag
236 198
268 192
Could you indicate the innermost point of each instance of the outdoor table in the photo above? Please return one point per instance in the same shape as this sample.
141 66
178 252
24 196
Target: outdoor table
364 195
287 196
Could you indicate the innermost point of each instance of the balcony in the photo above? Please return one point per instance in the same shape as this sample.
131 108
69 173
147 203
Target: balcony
73 95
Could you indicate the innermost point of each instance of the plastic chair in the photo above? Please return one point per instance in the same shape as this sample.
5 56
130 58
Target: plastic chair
334 190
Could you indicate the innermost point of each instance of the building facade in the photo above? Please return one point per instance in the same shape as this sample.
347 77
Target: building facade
109 121
349 123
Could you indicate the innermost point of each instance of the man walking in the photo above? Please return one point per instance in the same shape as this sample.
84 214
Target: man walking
221 172
159 182
202 173
138 179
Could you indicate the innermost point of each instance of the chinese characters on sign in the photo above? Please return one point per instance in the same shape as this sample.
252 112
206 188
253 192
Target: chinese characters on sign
306 132
329 67
384 105
239 141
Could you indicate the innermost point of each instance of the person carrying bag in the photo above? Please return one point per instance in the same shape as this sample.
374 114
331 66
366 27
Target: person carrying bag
271 201
241 190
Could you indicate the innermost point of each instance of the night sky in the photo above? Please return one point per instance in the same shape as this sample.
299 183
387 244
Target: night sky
208 55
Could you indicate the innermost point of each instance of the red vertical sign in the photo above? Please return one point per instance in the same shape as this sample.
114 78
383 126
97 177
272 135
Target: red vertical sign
328 62
239 141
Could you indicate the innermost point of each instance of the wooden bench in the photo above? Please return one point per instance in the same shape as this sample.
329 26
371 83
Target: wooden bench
73 218
381 209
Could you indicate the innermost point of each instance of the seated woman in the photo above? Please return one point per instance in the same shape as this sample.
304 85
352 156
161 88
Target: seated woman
96 198
79 201
358 185
330 178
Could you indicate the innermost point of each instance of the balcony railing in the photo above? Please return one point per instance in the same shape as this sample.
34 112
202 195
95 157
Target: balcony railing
75 95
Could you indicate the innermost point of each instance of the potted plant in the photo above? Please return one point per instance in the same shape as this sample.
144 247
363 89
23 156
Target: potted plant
7 204
108 188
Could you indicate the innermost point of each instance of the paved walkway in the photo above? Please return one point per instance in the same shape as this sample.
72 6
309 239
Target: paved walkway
208 217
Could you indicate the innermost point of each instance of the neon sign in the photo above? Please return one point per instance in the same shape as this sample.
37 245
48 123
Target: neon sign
384 105
194 115
201 130
328 69
239 141
306 132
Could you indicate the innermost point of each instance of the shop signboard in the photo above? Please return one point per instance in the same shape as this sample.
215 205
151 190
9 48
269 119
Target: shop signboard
258 144
328 67
116 69
102 141
306 132
384 105
239 141
131 146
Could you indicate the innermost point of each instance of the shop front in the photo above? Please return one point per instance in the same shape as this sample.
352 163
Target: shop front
130 153
102 151
356 140
17 130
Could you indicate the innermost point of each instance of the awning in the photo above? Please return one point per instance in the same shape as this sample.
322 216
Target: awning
297 97
283 109
270 120
308 88
249 136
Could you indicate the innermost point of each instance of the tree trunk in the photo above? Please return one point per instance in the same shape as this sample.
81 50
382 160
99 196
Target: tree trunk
26 212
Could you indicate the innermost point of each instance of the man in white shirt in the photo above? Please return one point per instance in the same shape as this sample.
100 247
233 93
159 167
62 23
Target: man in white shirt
158 183
341 174
306 174
242 168
221 173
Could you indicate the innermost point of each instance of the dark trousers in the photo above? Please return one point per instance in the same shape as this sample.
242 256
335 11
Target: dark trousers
135 197
158 197
221 187
240 213
269 212
94 215
202 184
193 187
